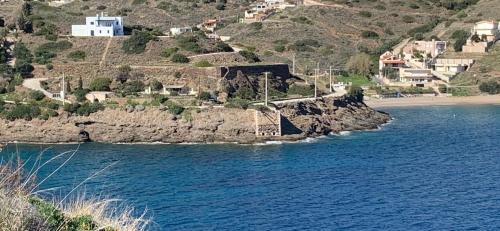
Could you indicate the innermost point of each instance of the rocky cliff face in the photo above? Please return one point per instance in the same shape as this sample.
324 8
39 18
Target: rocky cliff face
208 125
329 115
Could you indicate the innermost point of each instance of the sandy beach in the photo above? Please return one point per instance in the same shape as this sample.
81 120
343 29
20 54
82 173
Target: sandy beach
433 101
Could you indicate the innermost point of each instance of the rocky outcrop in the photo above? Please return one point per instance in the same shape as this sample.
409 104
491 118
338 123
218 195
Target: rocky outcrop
330 115
207 125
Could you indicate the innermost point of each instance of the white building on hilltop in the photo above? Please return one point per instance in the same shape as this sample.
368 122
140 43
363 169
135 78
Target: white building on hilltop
100 25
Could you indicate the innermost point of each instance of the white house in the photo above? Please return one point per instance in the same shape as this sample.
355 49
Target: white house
180 30
100 25
488 29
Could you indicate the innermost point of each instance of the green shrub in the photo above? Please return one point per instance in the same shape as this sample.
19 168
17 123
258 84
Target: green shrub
366 14
132 87
490 87
279 48
21 111
369 34
100 84
223 47
237 103
302 90
53 217
245 93
80 94
249 56
203 63
174 108
356 93
205 96
168 52
77 55
56 46
179 58
37 95
256 25
220 6
156 85
408 19
302 20
136 44
87 108
189 43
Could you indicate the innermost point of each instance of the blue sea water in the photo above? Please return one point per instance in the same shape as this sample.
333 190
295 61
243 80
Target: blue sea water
431 168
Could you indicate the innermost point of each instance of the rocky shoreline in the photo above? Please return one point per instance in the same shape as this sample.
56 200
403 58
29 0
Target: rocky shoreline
300 120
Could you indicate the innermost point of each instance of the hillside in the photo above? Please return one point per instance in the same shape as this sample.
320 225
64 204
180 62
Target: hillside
327 31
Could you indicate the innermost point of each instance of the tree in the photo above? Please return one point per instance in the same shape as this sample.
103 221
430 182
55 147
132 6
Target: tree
359 64
156 85
22 53
100 84
123 73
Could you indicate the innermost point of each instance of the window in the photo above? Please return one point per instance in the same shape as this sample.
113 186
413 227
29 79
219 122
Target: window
117 23
91 23
108 31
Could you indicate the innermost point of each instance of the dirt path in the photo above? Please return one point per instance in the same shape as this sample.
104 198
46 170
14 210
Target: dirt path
105 53
316 3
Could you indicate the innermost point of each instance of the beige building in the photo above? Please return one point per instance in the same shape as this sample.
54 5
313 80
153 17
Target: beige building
98 96
415 76
488 29
486 34
427 48
452 66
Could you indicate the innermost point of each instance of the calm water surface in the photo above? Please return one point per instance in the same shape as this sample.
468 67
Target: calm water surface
432 168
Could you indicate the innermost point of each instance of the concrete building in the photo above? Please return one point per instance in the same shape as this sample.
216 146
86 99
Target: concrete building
389 61
426 48
209 25
487 29
415 75
483 35
100 25
175 31
452 66
98 96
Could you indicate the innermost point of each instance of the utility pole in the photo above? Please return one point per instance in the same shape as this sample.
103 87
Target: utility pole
316 83
63 90
293 65
331 87
265 102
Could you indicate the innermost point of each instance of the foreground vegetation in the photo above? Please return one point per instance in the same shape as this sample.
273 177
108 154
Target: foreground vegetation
22 209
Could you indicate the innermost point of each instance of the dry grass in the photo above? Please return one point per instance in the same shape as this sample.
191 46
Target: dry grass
21 209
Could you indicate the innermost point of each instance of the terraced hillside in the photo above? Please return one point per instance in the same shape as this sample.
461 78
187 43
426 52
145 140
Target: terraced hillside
326 31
